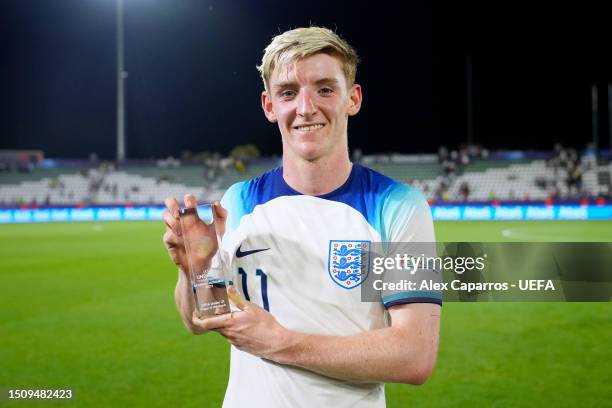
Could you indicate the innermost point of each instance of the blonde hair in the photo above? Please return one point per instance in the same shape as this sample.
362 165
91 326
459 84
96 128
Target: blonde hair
294 45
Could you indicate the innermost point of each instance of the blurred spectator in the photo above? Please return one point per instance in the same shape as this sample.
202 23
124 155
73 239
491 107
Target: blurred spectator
357 155
574 179
239 165
442 154
464 191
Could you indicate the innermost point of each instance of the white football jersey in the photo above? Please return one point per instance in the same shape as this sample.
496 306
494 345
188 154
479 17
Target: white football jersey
299 257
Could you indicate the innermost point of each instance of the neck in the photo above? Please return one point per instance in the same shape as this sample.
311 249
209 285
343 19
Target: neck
316 177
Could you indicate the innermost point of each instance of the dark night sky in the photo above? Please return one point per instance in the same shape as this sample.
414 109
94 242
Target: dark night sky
193 85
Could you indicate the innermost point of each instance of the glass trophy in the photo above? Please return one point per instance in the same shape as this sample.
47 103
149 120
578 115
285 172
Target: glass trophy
201 245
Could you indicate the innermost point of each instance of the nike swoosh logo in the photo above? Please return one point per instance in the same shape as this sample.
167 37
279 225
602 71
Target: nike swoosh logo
240 254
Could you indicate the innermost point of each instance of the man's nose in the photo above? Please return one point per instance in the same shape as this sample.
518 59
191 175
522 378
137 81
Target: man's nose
306 104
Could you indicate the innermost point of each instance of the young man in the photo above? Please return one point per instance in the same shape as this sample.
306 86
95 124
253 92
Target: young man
303 337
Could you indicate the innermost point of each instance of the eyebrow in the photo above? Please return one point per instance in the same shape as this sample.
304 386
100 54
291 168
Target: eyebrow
294 84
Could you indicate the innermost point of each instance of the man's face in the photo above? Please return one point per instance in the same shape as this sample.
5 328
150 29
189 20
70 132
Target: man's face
311 103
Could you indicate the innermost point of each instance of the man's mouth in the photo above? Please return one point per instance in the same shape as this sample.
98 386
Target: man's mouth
309 128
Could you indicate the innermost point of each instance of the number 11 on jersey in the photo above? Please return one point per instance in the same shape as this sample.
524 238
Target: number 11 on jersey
264 286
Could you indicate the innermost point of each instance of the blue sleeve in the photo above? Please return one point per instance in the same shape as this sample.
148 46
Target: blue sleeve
408 226
234 202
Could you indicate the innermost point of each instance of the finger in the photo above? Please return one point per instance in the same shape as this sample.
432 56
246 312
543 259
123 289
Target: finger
190 201
236 298
220 217
171 239
212 323
173 206
219 212
220 310
195 317
172 222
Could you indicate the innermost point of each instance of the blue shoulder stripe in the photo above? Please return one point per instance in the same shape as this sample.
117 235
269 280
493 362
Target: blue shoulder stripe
380 199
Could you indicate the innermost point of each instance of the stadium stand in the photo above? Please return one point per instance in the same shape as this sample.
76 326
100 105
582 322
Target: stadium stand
134 184
559 176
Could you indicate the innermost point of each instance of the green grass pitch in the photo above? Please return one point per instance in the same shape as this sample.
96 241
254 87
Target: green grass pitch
89 306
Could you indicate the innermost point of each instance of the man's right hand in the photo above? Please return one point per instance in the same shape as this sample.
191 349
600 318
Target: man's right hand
173 237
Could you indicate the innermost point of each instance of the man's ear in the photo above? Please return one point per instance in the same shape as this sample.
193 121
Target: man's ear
355 98
266 105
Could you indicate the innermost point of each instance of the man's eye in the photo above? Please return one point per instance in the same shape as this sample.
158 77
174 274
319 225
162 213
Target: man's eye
326 91
288 94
